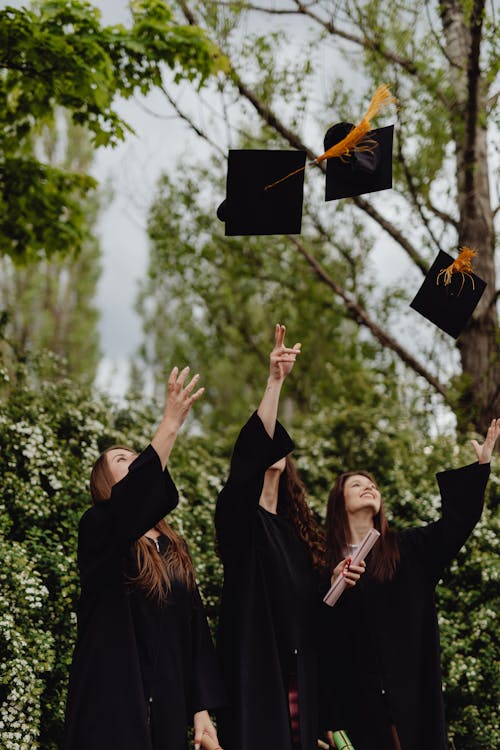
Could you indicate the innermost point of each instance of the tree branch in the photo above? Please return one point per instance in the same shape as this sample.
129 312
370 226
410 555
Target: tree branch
389 227
357 313
191 124
415 196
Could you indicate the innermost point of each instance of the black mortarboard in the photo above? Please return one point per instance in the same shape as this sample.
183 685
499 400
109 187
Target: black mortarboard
450 292
251 209
367 168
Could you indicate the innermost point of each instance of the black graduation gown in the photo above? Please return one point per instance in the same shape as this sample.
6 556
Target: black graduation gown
381 659
139 670
264 634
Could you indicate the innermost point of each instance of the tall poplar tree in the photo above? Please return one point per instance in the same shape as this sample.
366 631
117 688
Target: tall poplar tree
49 305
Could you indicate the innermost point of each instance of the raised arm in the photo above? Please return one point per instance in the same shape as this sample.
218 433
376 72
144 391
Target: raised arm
261 442
145 494
281 362
462 495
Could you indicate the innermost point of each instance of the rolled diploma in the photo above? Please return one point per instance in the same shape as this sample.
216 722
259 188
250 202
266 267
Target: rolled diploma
339 585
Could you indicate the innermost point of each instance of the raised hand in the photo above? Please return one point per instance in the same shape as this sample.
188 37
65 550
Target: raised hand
180 398
485 451
282 359
281 362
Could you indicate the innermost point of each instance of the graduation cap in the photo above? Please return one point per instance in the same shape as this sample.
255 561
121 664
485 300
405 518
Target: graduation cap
450 292
364 168
359 159
250 208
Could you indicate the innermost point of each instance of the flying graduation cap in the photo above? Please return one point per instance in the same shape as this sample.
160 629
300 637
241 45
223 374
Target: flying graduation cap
367 168
362 151
260 200
250 209
450 292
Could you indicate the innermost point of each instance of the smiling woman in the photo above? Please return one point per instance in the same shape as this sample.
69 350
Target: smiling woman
383 686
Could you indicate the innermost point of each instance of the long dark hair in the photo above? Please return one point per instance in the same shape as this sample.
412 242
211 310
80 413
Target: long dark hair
384 557
155 572
292 504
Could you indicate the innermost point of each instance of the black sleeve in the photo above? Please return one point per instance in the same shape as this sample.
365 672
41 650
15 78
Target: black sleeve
462 497
254 452
138 501
207 690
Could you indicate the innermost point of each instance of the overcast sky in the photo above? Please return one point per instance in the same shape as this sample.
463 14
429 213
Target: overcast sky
131 170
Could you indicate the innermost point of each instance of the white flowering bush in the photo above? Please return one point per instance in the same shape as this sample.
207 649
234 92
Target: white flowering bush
51 433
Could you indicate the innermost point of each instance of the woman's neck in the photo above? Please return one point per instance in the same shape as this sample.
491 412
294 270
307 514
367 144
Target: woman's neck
269 495
359 527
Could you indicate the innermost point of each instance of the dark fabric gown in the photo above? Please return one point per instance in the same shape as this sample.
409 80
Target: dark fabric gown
140 671
380 660
268 609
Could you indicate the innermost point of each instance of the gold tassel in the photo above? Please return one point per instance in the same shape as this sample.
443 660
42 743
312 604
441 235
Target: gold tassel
461 265
381 98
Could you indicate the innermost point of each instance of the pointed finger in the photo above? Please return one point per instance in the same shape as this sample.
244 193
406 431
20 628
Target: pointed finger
280 334
173 376
183 375
192 383
197 395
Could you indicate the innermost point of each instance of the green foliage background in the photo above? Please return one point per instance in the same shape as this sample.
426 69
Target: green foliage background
210 301
60 55
52 434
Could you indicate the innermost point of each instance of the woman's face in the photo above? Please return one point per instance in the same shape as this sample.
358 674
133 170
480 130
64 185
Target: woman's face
119 460
361 494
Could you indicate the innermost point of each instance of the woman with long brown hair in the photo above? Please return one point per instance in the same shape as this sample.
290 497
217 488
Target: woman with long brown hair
270 549
380 658
144 667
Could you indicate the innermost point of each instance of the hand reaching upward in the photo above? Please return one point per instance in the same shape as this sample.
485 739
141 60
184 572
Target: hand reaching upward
180 398
485 451
281 362
282 359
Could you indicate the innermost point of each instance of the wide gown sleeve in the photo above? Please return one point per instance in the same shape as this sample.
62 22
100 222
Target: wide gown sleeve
254 452
462 497
207 685
138 501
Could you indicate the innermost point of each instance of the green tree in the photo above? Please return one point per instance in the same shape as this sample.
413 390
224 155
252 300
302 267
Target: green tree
212 302
50 304
59 55
296 68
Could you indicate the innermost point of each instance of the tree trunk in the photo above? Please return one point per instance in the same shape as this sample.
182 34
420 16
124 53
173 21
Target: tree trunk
479 398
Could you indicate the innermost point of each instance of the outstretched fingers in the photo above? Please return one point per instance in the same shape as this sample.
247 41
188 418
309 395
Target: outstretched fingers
190 386
182 376
172 378
196 395
485 451
279 335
